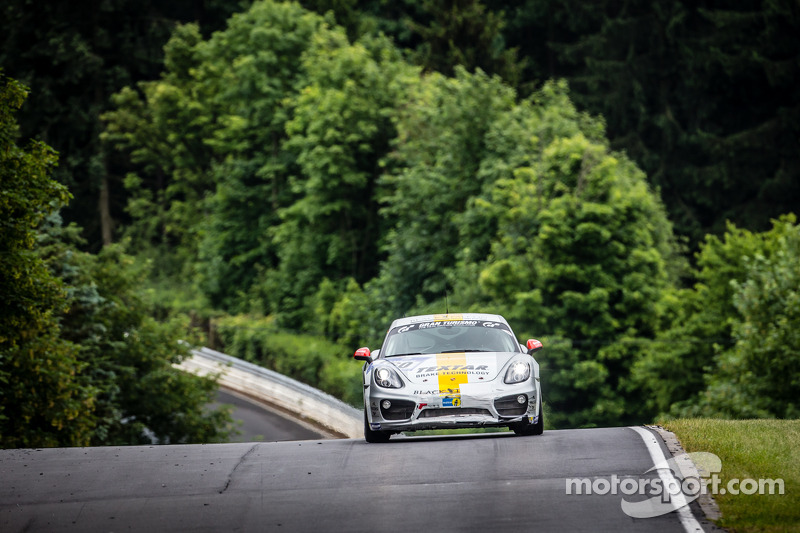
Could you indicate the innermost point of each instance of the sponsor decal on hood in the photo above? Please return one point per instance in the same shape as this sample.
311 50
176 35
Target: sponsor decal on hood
444 373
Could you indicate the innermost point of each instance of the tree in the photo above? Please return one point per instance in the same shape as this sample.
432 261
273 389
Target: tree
431 174
463 33
747 54
341 127
765 363
567 240
81 360
711 358
275 181
43 400
255 68
76 55
735 353
701 96
163 127
208 138
438 36
126 354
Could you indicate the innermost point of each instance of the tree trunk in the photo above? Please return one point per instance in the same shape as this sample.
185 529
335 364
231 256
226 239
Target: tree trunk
106 222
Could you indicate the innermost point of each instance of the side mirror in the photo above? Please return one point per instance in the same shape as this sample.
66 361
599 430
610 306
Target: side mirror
362 354
534 345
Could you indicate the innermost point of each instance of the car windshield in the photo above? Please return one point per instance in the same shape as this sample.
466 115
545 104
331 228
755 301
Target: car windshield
432 337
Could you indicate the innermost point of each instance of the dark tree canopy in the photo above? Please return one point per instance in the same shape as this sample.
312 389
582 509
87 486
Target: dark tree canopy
75 55
298 170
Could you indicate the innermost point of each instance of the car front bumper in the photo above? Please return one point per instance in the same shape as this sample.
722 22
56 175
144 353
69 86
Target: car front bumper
487 405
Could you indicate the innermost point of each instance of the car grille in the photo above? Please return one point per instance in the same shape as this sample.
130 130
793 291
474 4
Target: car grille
436 413
399 410
509 406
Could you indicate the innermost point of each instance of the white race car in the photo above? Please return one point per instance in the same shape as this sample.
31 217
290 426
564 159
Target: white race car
451 371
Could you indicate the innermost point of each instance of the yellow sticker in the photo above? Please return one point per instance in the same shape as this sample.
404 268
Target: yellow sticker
451 380
447 318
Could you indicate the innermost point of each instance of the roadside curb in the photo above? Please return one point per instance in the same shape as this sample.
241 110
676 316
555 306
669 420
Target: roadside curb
688 468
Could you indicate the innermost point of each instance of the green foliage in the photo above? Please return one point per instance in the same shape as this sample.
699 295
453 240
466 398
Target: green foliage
766 359
311 359
128 355
291 168
566 239
252 69
431 174
737 351
81 359
208 135
463 33
340 130
167 127
75 56
43 401
355 317
757 377
28 196
163 126
701 96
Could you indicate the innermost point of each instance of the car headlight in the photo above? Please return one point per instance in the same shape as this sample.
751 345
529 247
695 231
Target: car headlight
517 372
387 378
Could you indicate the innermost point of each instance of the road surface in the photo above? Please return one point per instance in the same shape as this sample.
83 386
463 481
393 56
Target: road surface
255 423
489 482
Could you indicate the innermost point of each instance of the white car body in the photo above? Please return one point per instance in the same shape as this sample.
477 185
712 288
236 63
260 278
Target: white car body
412 383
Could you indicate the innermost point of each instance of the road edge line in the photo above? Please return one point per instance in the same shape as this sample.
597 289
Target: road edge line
687 519
706 500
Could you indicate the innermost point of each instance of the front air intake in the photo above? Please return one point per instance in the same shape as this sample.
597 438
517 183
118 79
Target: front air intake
398 410
437 413
510 405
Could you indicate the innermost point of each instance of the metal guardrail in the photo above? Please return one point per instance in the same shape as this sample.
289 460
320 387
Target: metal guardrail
287 394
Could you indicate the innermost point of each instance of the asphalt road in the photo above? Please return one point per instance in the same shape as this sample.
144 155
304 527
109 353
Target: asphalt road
255 423
489 482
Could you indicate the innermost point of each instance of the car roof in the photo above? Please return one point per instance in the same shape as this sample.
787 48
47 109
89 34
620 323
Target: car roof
450 317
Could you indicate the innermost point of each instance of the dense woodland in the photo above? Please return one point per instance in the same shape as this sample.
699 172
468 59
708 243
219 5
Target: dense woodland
280 180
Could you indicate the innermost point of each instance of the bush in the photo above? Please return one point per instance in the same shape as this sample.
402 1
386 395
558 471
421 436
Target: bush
307 358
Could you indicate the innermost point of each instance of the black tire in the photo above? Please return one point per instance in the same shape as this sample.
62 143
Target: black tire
525 429
374 436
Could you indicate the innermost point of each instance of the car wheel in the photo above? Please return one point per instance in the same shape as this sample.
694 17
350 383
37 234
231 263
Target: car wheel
524 428
374 436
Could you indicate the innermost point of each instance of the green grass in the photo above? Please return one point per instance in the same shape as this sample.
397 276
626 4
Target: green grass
754 449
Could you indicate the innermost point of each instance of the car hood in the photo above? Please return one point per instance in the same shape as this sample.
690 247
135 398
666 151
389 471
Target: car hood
449 370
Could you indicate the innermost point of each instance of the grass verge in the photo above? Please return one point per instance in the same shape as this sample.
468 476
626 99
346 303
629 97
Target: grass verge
750 449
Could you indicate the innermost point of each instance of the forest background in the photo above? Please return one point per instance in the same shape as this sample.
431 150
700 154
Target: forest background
281 180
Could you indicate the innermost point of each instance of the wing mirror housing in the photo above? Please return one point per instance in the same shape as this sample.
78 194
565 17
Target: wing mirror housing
534 345
363 354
